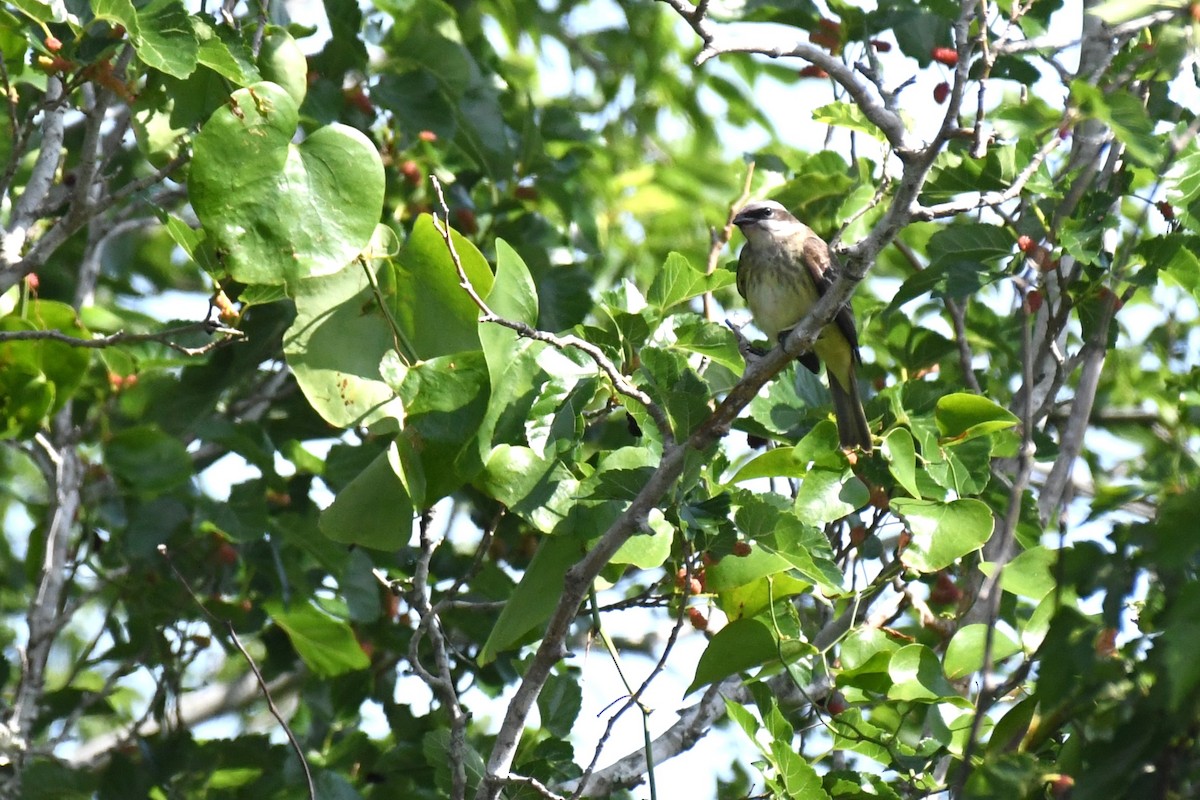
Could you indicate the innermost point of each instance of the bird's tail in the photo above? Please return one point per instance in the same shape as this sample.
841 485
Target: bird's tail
853 428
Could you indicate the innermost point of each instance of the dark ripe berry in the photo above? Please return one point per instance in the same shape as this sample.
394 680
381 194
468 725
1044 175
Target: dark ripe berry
941 92
1165 208
944 591
945 55
525 193
836 703
879 498
696 617
1042 259
464 220
881 46
681 577
832 27
1108 295
813 71
858 535
1062 785
412 172
226 554
1034 301
357 98
741 549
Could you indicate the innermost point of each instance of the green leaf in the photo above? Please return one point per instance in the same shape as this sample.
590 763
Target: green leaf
224 53
677 280
1176 257
942 533
326 645
46 370
647 551
799 777
450 77
513 295
282 62
901 456
970 242
709 339
535 597
672 382
847 115
1125 114
789 537
559 702
149 460
164 38
278 212
1114 12
444 402
917 676
1030 574
961 417
429 305
335 347
778 462
373 510
741 645
732 572
964 654
947 277
541 491
822 496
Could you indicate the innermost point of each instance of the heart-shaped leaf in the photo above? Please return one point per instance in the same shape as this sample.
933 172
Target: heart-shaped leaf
275 211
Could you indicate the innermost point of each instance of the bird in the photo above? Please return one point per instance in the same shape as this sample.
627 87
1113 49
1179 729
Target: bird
783 269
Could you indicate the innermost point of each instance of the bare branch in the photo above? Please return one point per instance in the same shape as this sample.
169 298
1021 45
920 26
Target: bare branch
121 337
41 177
43 616
441 683
770 40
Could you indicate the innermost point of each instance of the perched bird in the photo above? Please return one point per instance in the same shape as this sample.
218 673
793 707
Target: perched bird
782 272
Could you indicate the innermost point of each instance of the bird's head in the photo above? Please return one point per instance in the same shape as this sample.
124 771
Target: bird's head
765 219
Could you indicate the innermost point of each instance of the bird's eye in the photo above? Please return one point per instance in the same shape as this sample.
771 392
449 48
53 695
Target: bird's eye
766 213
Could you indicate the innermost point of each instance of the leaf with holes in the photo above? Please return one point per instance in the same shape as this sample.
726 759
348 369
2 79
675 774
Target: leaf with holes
277 212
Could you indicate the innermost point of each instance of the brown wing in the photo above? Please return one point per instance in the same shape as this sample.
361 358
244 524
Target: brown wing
820 267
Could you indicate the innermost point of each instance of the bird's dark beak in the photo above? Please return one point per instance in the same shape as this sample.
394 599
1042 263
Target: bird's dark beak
742 219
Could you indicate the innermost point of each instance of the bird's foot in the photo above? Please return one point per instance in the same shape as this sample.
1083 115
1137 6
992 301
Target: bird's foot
809 360
749 352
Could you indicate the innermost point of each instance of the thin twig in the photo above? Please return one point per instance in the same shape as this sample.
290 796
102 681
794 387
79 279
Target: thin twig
262 684
121 337
619 381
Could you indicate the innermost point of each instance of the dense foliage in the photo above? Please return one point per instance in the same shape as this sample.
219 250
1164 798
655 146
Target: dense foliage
358 374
